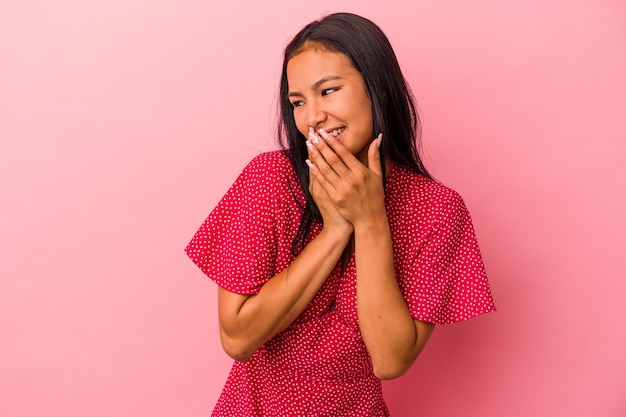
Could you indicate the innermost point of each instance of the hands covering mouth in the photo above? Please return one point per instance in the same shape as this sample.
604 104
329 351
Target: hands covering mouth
345 189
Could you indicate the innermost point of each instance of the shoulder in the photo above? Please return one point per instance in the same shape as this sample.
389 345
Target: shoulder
268 168
268 180
269 162
260 187
414 189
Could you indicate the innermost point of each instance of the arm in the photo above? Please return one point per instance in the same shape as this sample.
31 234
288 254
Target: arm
248 321
393 338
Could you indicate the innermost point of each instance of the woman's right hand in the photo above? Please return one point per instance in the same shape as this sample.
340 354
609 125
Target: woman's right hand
330 215
332 219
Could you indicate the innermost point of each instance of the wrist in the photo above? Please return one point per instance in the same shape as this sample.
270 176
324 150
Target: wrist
337 234
373 228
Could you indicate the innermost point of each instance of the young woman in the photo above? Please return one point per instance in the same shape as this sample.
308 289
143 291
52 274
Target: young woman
336 256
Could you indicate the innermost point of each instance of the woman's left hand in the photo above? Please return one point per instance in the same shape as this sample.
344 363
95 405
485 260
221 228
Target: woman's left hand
356 190
392 337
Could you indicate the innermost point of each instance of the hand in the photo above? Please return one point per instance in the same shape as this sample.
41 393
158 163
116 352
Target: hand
330 215
355 190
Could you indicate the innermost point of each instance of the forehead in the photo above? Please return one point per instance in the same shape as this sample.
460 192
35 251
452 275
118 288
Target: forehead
312 64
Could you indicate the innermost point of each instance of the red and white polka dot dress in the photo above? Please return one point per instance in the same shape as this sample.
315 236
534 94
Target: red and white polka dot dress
319 365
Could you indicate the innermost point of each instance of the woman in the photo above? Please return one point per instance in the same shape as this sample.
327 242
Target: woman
336 256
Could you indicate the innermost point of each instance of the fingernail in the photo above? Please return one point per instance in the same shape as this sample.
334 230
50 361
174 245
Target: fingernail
312 136
309 163
324 134
310 146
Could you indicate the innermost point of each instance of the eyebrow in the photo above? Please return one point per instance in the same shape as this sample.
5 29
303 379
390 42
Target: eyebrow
315 85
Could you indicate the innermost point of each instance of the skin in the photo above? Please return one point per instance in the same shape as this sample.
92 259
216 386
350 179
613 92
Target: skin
328 93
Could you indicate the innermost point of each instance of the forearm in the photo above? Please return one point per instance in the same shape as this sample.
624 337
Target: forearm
388 330
247 322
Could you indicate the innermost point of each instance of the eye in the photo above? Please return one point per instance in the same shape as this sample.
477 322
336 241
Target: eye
297 103
328 91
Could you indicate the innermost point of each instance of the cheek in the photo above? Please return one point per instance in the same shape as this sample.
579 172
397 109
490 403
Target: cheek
365 111
366 106
362 105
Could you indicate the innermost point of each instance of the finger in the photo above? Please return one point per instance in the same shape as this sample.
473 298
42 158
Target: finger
331 158
316 175
348 159
319 163
326 162
373 156
319 194
314 185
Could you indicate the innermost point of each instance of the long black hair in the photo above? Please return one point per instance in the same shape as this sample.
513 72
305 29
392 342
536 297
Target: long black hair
393 106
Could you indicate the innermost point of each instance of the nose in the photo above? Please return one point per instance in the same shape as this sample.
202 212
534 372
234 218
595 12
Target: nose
315 114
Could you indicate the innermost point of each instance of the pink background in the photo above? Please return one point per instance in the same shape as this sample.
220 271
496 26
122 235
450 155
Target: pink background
123 122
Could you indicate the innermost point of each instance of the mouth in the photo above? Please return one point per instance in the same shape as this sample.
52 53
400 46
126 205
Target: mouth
337 132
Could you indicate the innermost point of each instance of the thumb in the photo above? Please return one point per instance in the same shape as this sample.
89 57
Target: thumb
373 156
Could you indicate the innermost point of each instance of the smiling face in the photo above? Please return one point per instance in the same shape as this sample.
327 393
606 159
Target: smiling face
328 93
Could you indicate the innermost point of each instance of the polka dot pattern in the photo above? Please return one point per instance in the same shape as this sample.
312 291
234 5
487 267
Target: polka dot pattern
319 365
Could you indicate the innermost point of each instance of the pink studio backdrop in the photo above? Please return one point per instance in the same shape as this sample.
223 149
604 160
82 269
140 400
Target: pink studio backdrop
123 122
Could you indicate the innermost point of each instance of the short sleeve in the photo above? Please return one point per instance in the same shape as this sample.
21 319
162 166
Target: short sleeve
236 244
446 281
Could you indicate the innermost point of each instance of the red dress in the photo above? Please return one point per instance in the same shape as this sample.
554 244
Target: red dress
319 365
